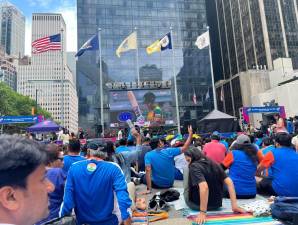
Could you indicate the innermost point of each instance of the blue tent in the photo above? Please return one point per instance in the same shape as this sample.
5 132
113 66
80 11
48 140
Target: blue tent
43 127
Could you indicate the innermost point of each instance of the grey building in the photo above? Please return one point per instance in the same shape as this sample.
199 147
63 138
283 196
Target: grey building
253 33
12 30
153 19
8 71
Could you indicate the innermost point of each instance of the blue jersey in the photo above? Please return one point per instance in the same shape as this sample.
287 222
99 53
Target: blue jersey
122 148
242 172
68 160
285 172
162 165
57 177
90 189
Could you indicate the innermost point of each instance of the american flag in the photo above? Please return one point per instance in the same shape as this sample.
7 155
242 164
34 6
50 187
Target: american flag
46 44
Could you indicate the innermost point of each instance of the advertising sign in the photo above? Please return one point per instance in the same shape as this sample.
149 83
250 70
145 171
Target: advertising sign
144 107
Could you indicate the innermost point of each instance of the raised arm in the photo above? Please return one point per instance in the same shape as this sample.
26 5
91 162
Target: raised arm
188 141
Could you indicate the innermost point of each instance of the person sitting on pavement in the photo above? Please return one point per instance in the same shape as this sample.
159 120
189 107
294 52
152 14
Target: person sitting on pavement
242 163
284 163
144 149
268 146
180 162
74 148
91 189
24 187
57 176
215 150
122 146
204 185
160 169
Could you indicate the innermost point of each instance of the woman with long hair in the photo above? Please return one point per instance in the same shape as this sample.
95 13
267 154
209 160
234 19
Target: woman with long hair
242 163
204 185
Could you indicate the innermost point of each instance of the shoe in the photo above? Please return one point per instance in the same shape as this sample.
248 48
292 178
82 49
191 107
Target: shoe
136 181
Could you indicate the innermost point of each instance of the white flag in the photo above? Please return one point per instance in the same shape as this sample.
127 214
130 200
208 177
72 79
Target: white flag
203 40
129 43
222 96
207 95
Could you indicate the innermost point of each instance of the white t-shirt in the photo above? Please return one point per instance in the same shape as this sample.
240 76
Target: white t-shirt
180 162
119 135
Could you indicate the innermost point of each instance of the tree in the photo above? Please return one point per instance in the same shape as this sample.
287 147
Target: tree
15 104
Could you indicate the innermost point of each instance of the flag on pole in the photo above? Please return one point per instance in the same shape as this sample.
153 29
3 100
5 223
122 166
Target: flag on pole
222 96
194 98
49 43
203 40
129 43
160 45
207 95
90 45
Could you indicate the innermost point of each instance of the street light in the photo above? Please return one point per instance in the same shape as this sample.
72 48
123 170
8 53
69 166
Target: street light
36 99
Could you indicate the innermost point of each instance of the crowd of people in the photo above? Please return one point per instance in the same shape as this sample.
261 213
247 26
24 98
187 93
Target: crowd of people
98 183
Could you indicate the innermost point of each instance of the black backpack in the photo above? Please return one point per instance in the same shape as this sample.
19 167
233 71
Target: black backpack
285 209
170 195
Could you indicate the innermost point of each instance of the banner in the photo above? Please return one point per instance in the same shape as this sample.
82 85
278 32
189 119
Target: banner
273 109
20 119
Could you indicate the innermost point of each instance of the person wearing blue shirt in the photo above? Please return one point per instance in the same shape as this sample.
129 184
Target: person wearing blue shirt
91 190
57 177
73 156
123 146
283 160
290 125
160 166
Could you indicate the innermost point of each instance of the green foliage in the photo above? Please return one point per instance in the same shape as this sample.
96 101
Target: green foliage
15 104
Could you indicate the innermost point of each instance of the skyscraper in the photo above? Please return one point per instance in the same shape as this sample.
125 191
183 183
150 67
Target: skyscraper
152 20
12 29
48 79
8 71
253 33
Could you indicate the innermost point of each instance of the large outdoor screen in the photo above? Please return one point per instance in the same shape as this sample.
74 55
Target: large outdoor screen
144 107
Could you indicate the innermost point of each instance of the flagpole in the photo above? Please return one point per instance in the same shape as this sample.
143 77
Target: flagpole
212 74
137 56
62 80
101 83
175 83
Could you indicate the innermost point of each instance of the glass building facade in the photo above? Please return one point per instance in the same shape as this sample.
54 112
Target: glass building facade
152 19
12 29
253 33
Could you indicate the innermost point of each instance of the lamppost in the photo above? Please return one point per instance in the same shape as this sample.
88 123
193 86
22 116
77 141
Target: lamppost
36 99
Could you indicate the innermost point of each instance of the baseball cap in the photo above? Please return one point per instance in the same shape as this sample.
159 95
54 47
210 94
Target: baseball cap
243 139
216 133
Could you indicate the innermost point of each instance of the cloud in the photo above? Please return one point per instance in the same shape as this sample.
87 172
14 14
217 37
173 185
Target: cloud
40 3
69 14
28 35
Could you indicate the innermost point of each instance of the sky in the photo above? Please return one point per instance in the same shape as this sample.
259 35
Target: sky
66 7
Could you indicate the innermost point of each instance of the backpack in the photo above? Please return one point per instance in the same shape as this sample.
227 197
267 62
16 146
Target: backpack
286 209
170 195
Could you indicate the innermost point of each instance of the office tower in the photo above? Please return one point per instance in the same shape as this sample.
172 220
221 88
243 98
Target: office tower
12 30
152 20
48 72
253 33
